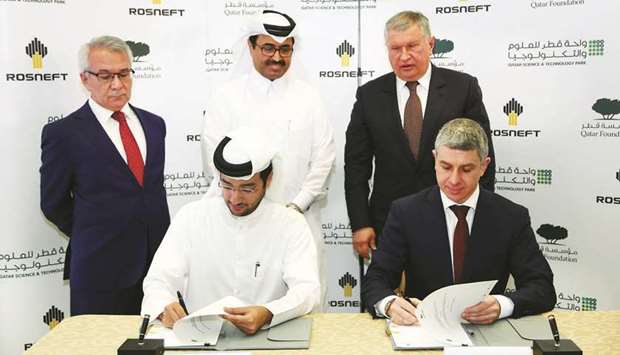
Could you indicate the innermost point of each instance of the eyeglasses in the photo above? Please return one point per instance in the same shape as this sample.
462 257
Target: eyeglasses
107 76
270 50
242 189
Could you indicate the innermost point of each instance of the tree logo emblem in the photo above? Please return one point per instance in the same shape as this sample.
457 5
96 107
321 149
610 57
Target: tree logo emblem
552 233
347 282
513 109
345 51
442 46
53 317
139 50
36 50
607 108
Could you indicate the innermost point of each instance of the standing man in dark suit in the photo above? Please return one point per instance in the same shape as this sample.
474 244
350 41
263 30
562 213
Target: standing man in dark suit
457 232
102 184
395 120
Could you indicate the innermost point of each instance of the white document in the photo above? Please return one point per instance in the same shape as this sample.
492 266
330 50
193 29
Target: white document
199 328
439 316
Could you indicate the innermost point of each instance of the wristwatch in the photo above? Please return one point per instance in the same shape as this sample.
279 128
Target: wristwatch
295 207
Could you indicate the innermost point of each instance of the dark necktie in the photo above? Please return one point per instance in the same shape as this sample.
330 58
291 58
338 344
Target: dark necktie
134 158
413 118
459 243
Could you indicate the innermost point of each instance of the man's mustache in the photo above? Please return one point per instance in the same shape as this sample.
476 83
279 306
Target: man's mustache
276 62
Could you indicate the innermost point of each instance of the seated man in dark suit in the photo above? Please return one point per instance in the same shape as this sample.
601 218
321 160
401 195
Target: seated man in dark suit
457 232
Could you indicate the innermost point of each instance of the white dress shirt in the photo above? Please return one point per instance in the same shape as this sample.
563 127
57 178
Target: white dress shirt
110 125
266 258
506 304
403 92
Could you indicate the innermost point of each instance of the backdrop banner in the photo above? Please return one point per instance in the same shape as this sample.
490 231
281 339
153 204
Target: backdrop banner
550 88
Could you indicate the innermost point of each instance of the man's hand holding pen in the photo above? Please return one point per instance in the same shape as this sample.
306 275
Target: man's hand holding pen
401 310
172 313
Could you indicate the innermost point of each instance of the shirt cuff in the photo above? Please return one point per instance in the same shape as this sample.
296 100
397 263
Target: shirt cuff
506 306
303 200
380 306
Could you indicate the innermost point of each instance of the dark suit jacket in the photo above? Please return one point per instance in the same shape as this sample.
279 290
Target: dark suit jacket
415 239
375 131
89 193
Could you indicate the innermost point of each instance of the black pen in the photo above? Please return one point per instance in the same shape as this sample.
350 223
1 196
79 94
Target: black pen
554 330
408 300
181 302
145 324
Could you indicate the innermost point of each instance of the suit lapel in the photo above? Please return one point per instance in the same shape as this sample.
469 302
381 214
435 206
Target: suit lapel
148 137
100 139
481 229
98 136
435 221
432 113
390 97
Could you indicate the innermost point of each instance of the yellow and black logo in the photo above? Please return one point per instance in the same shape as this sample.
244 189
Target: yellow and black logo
53 317
513 109
36 50
347 282
345 51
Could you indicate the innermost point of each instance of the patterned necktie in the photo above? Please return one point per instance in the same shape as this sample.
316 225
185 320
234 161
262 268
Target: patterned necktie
413 118
134 158
459 243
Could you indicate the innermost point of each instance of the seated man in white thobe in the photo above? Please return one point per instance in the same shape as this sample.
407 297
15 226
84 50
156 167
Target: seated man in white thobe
237 244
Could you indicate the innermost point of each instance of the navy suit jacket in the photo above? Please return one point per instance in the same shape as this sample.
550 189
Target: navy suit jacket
87 190
415 240
376 132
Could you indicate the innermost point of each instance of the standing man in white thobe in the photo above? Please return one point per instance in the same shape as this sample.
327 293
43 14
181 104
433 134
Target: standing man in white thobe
269 93
238 244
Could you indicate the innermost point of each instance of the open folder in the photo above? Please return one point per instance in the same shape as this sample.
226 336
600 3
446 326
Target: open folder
293 334
205 329
441 326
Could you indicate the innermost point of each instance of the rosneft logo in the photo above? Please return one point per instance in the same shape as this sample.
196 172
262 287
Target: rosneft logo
513 109
53 317
462 8
345 51
138 11
347 282
36 50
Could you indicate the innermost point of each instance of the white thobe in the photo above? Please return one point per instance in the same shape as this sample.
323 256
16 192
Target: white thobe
267 258
292 112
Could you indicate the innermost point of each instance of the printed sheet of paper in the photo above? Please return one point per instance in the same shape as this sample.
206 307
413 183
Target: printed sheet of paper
199 328
440 312
440 318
